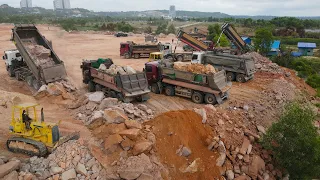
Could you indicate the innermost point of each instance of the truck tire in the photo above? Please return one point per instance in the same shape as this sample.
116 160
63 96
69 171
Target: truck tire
136 56
91 86
155 89
29 80
98 87
197 97
36 84
11 71
230 76
127 56
169 57
169 90
120 97
17 76
240 78
180 58
210 99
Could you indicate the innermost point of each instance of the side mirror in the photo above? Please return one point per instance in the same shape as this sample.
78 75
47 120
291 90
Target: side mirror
4 57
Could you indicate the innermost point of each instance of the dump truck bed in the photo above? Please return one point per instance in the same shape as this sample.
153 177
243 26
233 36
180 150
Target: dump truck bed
217 81
27 36
191 41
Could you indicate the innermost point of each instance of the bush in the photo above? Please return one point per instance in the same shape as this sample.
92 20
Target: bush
295 142
124 27
171 29
294 41
263 40
148 30
314 81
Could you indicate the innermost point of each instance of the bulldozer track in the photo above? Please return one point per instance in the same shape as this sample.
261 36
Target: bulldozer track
41 149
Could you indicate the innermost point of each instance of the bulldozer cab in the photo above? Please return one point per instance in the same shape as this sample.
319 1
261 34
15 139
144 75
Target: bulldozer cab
17 121
155 56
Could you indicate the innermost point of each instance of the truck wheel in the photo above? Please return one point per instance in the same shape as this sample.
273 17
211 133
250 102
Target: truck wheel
169 90
210 99
36 84
240 78
98 87
197 97
17 76
136 56
91 86
11 71
169 57
29 80
230 76
120 97
180 58
155 89
127 56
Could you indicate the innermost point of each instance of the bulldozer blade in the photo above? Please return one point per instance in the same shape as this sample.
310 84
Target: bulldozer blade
64 139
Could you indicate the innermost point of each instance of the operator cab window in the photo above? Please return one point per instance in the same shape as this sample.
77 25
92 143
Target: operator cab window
123 46
195 56
18 55
166 47
148 69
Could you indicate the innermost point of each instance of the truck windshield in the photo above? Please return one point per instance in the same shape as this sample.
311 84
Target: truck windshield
194 56
148 69
18 55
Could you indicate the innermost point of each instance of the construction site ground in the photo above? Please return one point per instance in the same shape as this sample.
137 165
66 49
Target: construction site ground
259 94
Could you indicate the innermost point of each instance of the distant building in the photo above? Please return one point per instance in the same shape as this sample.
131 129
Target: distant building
306 49
172 11
61 4
275 48
26 3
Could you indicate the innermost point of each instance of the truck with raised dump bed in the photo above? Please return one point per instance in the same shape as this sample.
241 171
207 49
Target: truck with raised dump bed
210 88
119 82
34 61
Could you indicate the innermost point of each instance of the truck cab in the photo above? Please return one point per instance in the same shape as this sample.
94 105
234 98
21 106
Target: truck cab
125 50
197 57
11 55
153 76
166 49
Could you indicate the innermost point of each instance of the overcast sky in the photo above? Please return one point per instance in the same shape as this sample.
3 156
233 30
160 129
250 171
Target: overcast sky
232 7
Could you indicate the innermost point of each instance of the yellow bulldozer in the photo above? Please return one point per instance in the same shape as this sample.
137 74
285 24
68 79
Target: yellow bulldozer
32 136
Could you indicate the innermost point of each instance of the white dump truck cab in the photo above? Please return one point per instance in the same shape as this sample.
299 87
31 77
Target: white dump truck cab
166 49
10 56
197 57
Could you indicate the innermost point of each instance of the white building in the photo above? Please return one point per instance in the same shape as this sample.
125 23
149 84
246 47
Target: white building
61 4
172 11
26 3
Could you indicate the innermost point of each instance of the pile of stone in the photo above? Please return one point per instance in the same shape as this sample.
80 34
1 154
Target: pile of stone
97 106
40 54
240 156
195 68
72 160
264 64
9 168
115 69
61 88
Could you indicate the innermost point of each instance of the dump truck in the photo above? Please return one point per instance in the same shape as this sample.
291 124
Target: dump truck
130 49
126 87
208 88
237 68
34 61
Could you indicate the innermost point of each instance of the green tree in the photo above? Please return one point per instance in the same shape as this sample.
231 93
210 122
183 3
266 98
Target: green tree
148 30
171 29
111 26
263 40
223 42
161 29
295 142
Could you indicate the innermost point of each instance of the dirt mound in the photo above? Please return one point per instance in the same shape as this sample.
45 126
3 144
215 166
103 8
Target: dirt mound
175 129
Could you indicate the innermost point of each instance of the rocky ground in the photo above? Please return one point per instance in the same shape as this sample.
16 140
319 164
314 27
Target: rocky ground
163 138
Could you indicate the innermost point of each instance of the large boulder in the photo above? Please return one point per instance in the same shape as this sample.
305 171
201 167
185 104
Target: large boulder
257 164
142 147
244 146
12 176
96 97
108 102
112 141
8 167
202 112
97 119
114 117
81 169
130 133
132 124
70 174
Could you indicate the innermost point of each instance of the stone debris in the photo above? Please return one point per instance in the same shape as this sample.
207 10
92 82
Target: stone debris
113 111
96 97
264 64
115 69
202 113
8 167
195 68
69 161
40 54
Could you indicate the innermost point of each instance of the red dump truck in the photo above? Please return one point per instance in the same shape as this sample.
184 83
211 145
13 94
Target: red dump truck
126 87
130 49
208 88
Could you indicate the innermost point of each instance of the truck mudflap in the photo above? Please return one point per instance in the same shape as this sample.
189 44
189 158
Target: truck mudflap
224 94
